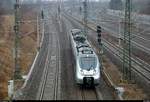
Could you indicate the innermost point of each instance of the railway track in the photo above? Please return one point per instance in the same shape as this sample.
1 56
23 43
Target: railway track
88 94
138 67
142 40
45 75
84 94
139 41
57 71
92 93
44 87
32 86
45 80
52 71
134 66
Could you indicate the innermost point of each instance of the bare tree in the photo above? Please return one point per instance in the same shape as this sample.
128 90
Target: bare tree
142 5
116 4
6 6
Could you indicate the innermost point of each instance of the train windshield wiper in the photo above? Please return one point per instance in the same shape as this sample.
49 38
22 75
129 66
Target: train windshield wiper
90 68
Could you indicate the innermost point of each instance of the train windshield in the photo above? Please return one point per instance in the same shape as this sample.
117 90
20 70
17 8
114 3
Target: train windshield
88 63
80 39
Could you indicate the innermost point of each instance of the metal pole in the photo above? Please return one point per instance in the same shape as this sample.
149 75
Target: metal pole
60 10
85 17
127 42
38 38
41 31
17 74
43 28
119 33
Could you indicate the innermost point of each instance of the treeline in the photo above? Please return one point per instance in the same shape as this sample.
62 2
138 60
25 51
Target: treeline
116 4
141 6
31 1
6 6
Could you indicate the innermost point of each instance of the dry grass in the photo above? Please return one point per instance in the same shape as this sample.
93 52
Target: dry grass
28 49
111 69
132 91
6 26
5 68
28 53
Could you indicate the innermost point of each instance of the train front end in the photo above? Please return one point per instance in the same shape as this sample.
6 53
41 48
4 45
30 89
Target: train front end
88 70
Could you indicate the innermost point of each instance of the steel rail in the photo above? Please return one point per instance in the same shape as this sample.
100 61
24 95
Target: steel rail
134 35
57 71
114 53
45 73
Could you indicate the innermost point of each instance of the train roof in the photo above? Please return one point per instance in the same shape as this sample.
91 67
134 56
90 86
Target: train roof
84 49
80 39
78 36
75 30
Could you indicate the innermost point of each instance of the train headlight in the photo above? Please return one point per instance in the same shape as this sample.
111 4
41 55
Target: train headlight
95 71
81 71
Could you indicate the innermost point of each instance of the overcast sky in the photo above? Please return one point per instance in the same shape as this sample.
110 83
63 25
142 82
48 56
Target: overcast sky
89 0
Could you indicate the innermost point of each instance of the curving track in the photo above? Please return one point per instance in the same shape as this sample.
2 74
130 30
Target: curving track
140 69
53 74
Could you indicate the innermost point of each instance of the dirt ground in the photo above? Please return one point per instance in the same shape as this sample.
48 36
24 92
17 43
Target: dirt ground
132 91
28 48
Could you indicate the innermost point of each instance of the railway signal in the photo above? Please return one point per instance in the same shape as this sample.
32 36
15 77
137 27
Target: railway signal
99 39
42 14
99 31
80 9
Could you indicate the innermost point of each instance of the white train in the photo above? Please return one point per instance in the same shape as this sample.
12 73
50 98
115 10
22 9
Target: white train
87 66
